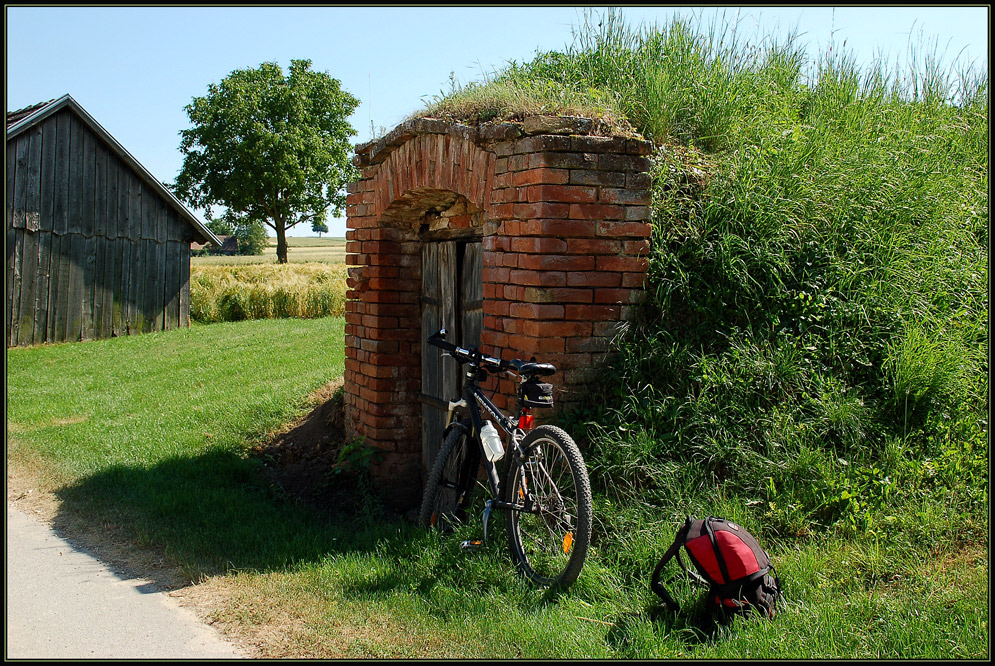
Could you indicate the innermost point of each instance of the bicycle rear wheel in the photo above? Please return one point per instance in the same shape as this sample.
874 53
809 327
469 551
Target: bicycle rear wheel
550 531
450 483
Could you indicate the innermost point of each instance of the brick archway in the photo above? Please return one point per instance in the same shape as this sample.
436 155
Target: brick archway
563 218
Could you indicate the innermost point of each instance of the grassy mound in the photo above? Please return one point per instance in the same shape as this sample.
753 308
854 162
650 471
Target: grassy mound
813 347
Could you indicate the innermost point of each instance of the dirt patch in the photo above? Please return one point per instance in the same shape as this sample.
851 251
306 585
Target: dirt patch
303 458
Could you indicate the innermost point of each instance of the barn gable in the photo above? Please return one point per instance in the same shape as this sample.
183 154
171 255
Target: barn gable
96 246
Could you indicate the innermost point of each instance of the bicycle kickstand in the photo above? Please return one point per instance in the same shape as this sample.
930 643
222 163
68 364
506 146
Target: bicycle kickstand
477 543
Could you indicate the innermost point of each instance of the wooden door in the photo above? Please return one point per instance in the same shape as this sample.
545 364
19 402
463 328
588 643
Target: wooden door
451 298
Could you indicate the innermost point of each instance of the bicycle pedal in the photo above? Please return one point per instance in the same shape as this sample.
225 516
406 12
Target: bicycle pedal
472 544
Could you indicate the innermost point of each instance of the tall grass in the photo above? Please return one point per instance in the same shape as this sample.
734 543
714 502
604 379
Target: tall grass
266 291
814 340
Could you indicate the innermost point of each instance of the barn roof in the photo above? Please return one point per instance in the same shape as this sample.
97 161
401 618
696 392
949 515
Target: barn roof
22 119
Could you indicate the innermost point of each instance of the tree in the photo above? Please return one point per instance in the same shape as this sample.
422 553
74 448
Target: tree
269 148
252 238
251 235
319 227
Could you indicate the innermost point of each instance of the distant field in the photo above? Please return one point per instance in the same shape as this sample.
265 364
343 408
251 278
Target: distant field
301 250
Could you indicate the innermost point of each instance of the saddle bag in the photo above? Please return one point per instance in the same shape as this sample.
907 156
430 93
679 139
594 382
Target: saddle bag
740 577
536 394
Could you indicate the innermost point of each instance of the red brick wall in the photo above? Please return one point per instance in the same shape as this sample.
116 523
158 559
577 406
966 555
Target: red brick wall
564 221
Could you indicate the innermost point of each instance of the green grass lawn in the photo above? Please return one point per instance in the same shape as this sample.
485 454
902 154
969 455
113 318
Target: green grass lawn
151 433
148 438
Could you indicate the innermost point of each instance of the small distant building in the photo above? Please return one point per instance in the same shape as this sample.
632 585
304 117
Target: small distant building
228 247
96 246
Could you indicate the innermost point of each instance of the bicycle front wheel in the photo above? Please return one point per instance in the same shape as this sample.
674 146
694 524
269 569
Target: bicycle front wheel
549 529
450 483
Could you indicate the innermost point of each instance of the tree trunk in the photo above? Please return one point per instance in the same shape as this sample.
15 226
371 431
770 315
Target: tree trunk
281 242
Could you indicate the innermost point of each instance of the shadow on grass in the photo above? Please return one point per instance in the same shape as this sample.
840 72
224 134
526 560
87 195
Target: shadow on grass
690 628
187 517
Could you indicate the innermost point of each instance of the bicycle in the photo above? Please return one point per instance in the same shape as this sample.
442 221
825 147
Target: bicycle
546 491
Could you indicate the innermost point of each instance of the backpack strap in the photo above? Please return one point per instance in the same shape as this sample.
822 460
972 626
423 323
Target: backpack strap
674 549
718 551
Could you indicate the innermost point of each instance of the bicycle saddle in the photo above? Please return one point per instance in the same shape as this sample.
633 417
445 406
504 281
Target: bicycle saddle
532 368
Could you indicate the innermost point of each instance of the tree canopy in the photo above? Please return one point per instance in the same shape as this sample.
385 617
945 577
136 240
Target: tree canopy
269 148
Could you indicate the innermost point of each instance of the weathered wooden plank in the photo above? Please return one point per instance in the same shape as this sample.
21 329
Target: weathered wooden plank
184 264
63 174
113 221
22 171
99 293
148 213
74 304
157 280
55 250
49 144
42 287
160 220
472 294
76 179
130 287
14 283
11 179
90 185
171 315
111 259
11 240
134 288
89 290
450 294
127 294
32 203
29 280
431 312
440 374
60 315
134 228
117 253
148 311
100 190
124 191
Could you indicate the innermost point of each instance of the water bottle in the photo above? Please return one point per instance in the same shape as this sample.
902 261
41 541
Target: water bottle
492 442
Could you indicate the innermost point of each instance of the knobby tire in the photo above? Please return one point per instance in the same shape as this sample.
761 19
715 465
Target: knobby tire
550 535
450 483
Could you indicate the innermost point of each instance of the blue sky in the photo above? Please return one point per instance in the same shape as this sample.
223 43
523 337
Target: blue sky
135 68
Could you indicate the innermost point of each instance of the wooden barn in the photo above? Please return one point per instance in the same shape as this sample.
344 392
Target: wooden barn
96 246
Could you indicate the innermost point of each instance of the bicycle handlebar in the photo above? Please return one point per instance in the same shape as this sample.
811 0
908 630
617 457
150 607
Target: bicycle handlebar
474 356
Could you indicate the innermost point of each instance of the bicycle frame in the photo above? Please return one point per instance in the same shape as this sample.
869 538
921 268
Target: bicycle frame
546 492
473 399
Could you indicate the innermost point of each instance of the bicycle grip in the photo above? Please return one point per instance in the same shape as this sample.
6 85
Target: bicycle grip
439 340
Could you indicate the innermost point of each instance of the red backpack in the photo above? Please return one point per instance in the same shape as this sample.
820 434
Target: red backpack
729 560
